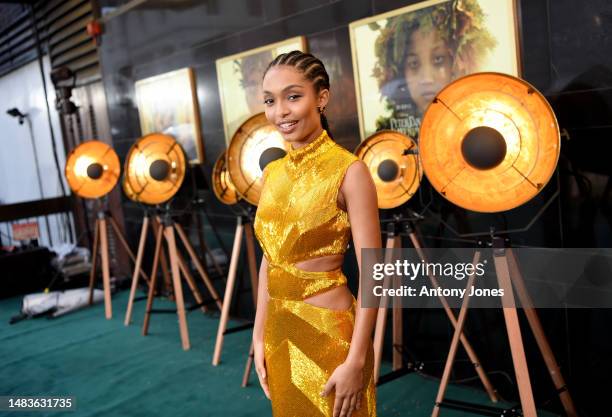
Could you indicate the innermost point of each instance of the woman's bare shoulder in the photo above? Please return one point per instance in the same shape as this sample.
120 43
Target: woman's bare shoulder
357 173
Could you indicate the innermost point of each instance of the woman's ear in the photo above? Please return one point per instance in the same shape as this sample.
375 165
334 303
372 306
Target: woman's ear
323 98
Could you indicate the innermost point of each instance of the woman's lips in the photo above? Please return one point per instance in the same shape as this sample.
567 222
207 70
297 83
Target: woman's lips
428 96
287 127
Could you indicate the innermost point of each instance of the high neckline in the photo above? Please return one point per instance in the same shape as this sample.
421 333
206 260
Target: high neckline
304 153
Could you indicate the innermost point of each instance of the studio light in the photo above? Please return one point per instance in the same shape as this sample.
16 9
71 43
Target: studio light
394 165
489 142
154 169
92 169
255 144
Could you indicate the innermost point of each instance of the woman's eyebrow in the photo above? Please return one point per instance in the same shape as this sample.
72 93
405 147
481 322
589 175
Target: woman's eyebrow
286 88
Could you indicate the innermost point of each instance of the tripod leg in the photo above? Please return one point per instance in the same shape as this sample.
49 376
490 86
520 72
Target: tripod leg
540 336
448 366
125 245
159 229
250 244
137 267
381 318
198 265
190 281
484 378
163 261
514 332
178 290
108 307
165 267
229 289
249 364
94 260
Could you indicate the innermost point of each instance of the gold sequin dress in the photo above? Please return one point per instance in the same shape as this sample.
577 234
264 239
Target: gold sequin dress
298 219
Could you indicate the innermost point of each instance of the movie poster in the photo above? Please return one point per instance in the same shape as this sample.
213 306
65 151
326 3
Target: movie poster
403 58
168 104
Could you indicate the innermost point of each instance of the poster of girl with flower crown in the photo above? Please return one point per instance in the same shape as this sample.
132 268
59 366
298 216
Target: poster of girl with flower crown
403 58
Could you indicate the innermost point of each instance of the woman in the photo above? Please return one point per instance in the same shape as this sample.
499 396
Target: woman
313 346
420 52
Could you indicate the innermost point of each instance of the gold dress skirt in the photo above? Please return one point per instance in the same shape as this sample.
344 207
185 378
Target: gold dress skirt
305 343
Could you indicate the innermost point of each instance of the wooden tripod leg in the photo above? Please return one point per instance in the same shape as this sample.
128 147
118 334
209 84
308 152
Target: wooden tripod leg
249 364
514 332
540 337
165 267
125 245
94 260
108 306
137 267
448 367
381 318
250 244
229 289
190 281
159 238
484 378
178 289
163 261
198 265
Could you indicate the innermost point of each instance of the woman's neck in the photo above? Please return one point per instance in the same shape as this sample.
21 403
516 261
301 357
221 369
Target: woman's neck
309 138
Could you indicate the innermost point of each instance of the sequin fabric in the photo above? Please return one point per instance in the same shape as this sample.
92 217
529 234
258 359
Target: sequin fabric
298 219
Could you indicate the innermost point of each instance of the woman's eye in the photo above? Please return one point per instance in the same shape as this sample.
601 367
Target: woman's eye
413 64
439 59
267 101
294 96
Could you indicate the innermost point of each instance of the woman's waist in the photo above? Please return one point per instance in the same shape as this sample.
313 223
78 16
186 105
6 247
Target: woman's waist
286 281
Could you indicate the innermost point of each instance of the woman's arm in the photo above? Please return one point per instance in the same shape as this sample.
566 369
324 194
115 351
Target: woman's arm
362 207
359 194
258 329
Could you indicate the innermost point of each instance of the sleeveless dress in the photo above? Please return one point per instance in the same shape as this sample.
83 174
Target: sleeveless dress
298 219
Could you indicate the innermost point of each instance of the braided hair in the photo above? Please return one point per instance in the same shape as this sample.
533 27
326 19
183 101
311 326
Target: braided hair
313 70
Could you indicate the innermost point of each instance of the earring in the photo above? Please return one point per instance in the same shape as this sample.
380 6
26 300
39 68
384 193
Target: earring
321 109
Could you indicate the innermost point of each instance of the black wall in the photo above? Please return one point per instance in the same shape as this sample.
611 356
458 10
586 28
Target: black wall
566 47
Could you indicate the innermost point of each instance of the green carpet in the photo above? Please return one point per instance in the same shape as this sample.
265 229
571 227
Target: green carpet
114 371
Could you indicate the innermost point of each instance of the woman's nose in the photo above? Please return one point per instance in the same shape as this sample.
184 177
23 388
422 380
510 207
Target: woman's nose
427 74
282 109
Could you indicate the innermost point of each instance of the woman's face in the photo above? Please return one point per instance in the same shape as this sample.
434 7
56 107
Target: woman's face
291 102
252 90
428 67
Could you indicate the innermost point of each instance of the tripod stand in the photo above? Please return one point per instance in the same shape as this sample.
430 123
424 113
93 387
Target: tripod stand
139 257
243 226
394 241
101 244
165 230
508 276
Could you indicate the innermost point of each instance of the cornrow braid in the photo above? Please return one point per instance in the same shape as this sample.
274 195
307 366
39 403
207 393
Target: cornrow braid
313 70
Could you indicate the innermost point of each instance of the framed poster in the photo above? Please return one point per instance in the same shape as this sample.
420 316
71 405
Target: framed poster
403 58
168 104
240 77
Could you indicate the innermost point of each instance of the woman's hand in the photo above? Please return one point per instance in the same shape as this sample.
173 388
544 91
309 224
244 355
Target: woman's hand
347 379
260 367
